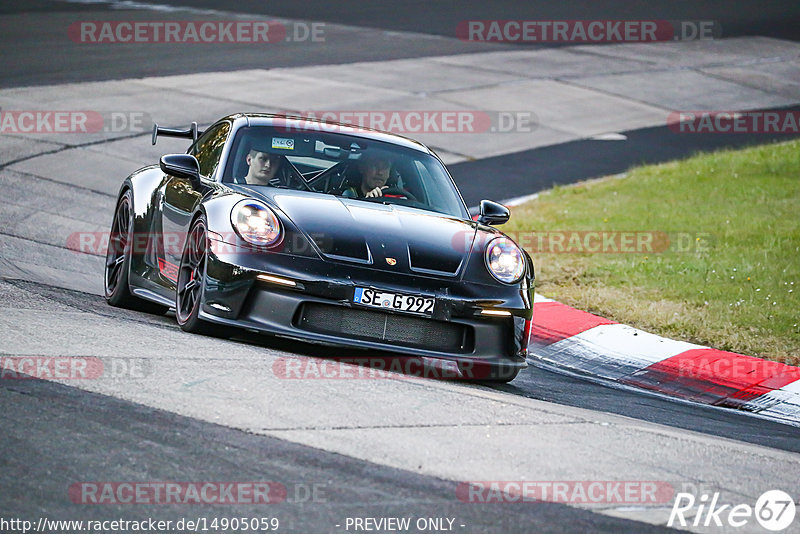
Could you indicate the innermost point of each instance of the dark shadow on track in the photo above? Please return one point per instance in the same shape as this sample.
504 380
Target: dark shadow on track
773 18
38 49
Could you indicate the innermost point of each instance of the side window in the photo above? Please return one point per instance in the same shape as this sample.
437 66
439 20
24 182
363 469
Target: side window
209 148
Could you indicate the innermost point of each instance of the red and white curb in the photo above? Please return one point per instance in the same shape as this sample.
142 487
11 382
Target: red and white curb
587 344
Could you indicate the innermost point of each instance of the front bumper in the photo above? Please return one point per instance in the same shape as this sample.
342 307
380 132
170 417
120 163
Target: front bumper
319 308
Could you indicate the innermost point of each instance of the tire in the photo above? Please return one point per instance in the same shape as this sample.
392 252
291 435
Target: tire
487 374
504 377
191 281
118 262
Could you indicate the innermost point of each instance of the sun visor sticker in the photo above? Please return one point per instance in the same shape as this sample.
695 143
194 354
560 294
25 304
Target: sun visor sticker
290 146
283 143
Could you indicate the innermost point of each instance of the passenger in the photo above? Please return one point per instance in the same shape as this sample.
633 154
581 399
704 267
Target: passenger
262 168
267 168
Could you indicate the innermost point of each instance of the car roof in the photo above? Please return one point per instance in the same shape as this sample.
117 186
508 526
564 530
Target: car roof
315 125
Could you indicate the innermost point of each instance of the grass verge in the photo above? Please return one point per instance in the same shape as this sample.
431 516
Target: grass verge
715 243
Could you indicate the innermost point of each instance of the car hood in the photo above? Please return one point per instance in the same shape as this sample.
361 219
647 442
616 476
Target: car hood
390 237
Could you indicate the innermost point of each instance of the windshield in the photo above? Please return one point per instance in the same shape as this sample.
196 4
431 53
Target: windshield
342 165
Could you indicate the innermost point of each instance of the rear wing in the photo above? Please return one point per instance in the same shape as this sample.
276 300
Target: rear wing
192 133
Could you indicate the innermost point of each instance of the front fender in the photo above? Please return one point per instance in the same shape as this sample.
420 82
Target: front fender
142 184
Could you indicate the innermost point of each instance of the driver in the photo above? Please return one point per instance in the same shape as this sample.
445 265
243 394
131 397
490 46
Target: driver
375 170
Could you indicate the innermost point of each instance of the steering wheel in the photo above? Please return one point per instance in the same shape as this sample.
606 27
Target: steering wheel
397 192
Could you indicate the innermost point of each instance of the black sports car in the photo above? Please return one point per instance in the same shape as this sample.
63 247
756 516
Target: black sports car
326 233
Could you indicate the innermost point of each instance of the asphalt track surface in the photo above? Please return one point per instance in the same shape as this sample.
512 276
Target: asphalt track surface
439 17
533 383
31 31
60 434
42 56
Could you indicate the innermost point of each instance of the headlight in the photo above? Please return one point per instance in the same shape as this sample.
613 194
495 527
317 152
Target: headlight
256 223
505 261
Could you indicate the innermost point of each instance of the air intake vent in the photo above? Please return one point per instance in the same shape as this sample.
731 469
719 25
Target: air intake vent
434 261
409 331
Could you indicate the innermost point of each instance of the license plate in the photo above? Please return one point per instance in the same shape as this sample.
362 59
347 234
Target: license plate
394 301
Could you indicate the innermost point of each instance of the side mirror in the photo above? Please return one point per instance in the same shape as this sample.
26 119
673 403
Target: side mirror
493 213
181 166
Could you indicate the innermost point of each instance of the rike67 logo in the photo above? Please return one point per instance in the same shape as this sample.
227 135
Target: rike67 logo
774 511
